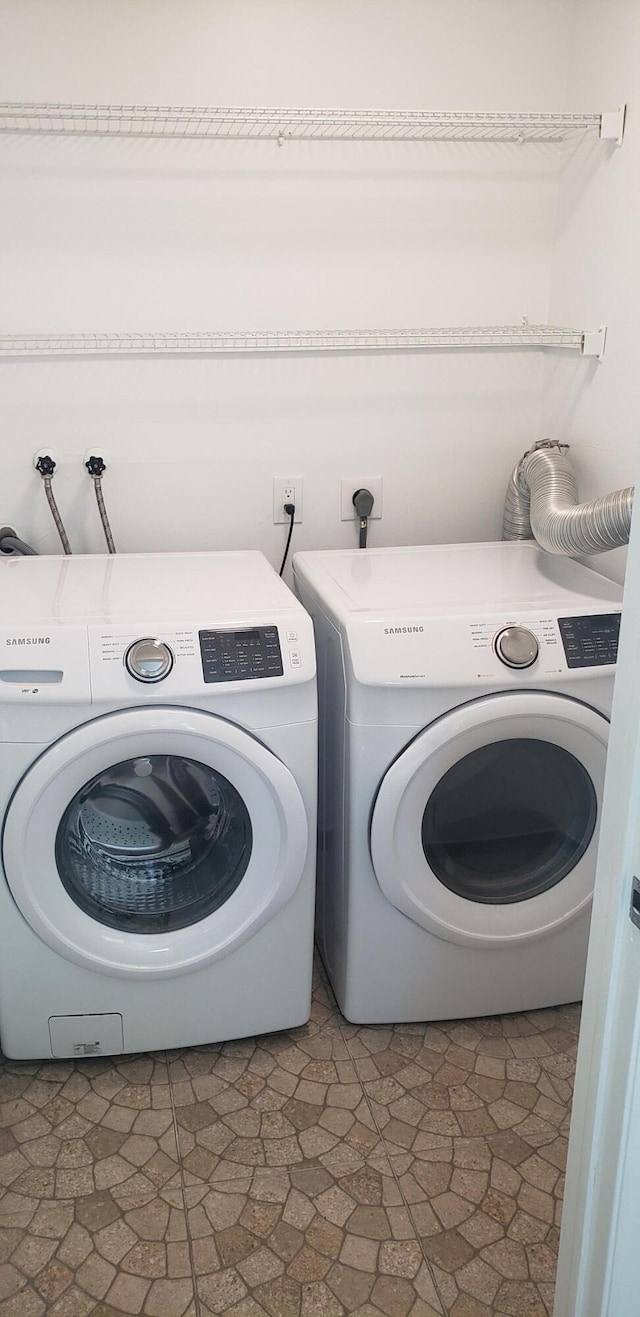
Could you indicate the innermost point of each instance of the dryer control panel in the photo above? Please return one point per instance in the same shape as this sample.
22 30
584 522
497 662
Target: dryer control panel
501 650
589 642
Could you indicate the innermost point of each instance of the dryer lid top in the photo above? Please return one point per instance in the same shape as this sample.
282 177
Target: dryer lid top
454 579
136 587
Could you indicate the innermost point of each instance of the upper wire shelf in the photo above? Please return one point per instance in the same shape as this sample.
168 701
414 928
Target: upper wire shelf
588 343
191 121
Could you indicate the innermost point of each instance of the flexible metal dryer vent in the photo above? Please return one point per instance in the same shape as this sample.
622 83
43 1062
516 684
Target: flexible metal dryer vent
542 503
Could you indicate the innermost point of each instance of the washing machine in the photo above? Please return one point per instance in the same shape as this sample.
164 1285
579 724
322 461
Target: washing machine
464 694
158 738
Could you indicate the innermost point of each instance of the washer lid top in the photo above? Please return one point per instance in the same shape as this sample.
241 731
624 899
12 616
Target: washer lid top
140 588
67 624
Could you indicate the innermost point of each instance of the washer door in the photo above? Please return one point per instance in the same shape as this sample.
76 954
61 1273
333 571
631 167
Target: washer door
153 841
485 829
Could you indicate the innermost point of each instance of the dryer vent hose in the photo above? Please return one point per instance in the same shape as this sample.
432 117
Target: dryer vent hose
542 503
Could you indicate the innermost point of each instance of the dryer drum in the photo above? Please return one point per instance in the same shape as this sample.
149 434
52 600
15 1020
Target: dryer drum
154 844
509 820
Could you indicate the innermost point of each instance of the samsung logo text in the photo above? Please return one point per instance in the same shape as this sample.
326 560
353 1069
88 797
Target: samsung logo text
29 640
402 630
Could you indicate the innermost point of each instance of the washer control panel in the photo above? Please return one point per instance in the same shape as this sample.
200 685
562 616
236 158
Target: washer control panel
149 660
195 661
516 647
240 655
589 642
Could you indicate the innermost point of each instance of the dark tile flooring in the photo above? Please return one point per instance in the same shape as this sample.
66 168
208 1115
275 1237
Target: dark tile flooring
396 1171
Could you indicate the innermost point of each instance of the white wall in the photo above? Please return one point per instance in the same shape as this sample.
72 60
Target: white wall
596 265
121 235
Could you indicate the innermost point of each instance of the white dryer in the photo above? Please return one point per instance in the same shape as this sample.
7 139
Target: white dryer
158 781
464 696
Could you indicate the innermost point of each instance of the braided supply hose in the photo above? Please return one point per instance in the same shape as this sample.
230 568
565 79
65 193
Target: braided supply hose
46 467
541 503
96 468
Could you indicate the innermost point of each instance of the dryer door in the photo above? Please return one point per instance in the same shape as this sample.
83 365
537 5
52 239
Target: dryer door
485 829
152 841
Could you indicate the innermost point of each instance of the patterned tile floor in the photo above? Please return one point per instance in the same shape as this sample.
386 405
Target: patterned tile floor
405 1171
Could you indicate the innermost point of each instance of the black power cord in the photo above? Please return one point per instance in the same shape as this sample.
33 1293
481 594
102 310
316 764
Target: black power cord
363 503
290 509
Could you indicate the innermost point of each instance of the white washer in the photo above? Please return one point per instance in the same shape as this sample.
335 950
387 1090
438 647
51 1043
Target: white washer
158 779
464 696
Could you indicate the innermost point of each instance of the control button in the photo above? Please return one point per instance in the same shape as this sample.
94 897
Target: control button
516 647
292 636
294 658
148 660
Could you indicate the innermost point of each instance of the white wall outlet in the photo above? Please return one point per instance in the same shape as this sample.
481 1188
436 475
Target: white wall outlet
286 489
348 488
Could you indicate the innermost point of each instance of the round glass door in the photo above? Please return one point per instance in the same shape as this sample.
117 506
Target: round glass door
509 820
154 843
484 830
149 842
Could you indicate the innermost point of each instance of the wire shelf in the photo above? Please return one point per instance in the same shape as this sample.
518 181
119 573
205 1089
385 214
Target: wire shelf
191 121
310 340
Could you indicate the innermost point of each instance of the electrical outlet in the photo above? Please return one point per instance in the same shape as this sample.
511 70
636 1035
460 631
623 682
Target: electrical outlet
286 489
348 488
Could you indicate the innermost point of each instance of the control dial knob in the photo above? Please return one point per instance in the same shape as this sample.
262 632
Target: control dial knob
516 647
148 660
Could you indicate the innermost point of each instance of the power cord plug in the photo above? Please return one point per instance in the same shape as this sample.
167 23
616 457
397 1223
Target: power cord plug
363 503
290 509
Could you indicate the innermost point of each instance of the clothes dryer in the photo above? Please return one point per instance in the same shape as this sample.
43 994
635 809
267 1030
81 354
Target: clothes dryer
158 780
465 692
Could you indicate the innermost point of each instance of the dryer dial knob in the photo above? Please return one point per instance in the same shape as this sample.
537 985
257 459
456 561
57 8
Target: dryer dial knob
516 647
148 660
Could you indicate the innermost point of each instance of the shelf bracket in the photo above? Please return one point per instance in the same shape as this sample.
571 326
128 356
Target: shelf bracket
593 343
612 125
